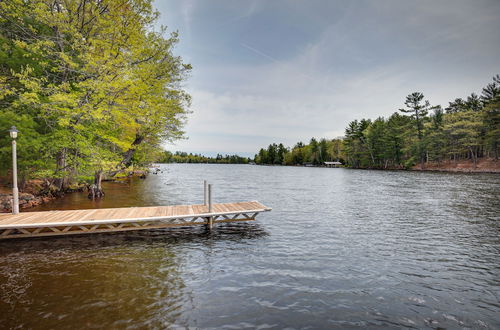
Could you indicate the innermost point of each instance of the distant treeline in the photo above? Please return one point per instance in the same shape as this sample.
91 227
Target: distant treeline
184 157
316 152
469 128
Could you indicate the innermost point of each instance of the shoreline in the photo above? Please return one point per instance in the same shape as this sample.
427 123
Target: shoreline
442 170
30 198
489 166
34 195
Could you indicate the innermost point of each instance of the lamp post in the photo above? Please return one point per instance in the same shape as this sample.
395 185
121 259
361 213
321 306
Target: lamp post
15 192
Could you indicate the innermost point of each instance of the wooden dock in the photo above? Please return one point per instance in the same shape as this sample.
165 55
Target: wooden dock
52 223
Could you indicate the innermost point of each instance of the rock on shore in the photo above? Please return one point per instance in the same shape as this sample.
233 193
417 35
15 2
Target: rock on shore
25 201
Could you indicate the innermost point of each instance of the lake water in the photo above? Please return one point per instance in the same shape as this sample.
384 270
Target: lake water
341 249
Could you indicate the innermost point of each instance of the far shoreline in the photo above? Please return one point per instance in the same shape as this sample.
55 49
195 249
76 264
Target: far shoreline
31 200
483 165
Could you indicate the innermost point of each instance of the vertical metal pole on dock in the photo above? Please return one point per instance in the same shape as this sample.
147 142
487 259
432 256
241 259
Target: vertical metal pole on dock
15 192
210 209
205 192
210 198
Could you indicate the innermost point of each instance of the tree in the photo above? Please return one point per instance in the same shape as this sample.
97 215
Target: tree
272 154
435 136
395 137
491 122
376 142
323 151
314 151
418 108
99 82
473 103
456 106
261 158
282 151
463 130
297 154
336 150
356 144
491 91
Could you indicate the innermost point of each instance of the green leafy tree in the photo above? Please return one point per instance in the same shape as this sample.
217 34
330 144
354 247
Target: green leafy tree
336 150
99 82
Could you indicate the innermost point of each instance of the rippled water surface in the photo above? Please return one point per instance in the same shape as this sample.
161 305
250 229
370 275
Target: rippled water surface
341 249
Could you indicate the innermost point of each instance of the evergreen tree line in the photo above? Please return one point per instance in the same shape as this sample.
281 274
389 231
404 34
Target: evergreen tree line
316 153
184 157
469 128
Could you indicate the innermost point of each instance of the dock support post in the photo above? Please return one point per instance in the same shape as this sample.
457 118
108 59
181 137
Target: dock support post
205 192
210 209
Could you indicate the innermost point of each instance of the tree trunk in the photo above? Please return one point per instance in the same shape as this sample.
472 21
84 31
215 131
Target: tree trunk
127 156
22 183
474 157
61 182
95 190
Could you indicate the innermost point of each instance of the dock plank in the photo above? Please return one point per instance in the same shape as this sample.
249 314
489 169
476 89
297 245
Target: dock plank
89 215
46 223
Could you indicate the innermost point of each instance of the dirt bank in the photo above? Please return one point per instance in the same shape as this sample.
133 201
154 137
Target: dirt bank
466 166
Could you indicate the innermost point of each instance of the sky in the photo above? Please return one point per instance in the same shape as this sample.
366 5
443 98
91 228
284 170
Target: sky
283 71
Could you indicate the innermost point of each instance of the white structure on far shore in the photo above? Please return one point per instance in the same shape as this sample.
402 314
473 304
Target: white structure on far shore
333 164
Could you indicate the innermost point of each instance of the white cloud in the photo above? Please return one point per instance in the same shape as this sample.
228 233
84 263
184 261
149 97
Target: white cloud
355 68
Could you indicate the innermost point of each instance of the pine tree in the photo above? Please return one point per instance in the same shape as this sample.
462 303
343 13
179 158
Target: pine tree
419 109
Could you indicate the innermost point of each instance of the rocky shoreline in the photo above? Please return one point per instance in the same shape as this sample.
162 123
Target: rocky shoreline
26 200
36 193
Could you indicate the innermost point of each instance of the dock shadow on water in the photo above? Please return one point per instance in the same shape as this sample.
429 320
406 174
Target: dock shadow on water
107 280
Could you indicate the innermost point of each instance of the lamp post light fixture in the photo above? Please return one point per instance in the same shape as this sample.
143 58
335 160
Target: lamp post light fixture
15 192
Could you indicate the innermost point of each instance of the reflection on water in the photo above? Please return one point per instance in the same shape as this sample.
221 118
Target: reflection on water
341 249
118 280
124 193
115 285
